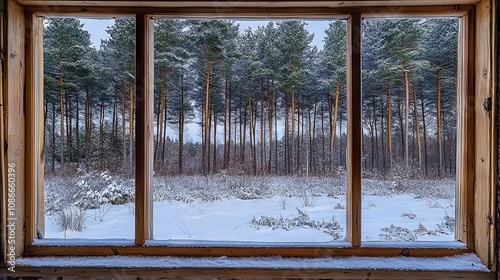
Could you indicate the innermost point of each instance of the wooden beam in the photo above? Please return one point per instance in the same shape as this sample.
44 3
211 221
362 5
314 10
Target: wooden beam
31 131
14 123
484 89
494 203
354 129
217 251
144 129
40 221
465 126
3 169
394 5
253 12
285 273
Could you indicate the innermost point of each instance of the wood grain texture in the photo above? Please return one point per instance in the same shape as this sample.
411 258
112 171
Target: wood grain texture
3 168
354 129
484 186
303 252
494 135
14 116
253 3
144 129
465 125
254 12
40 222
252 273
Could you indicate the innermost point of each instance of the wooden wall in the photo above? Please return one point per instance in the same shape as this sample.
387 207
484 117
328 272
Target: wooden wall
13 126
485 164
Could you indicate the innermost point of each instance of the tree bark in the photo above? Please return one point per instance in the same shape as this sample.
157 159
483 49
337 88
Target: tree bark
101 130
87 126
207 119
124 129
53 144
262 130
389 124
270 121
425 138
252 143
438 119
131 126
407 105
417 125
334 124
61 106
181 126
77 130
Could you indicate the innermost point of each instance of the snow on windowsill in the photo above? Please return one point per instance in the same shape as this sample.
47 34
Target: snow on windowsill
245 244
464 262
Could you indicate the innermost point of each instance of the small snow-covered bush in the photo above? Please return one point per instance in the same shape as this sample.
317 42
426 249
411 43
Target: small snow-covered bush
116 194
410 216
85 197
396 233
53 201
339 205
447 225
332 228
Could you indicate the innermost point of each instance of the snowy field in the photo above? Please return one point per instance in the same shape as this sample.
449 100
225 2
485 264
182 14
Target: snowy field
254 209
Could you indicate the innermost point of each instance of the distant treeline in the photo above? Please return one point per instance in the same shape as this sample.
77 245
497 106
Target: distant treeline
249 88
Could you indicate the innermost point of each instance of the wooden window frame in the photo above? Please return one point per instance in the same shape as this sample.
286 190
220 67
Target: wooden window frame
476 51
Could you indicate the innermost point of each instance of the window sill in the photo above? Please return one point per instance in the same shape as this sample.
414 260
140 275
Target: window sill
467 266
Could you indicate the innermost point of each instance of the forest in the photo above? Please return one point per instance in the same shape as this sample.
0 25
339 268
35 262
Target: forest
264 101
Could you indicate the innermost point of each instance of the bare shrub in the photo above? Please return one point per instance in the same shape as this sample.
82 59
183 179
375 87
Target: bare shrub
307 199
71 218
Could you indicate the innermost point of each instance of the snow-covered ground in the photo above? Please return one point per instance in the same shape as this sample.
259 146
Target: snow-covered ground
270 209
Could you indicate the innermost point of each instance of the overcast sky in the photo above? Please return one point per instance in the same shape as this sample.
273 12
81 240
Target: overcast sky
97 29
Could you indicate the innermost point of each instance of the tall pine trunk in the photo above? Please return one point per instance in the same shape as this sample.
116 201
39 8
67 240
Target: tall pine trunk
262 160
181 126
124 129
407 109
131 126
417 125
53 142
252 143
101 130
77 130
438 119
87 126
61 106
113 129
389 124
270 121
207 120
293 128
334 124
425 138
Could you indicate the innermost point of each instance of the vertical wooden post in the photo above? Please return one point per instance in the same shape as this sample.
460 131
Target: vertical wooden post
144 129
40 222
465 126
354 129
484 137
13 125
30 130
34 127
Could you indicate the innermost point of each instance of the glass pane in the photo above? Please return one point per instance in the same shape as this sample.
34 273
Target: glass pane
409 125
89 88
244 115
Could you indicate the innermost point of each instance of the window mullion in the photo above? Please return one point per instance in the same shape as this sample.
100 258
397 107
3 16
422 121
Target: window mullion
354 129
144 133
465 154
